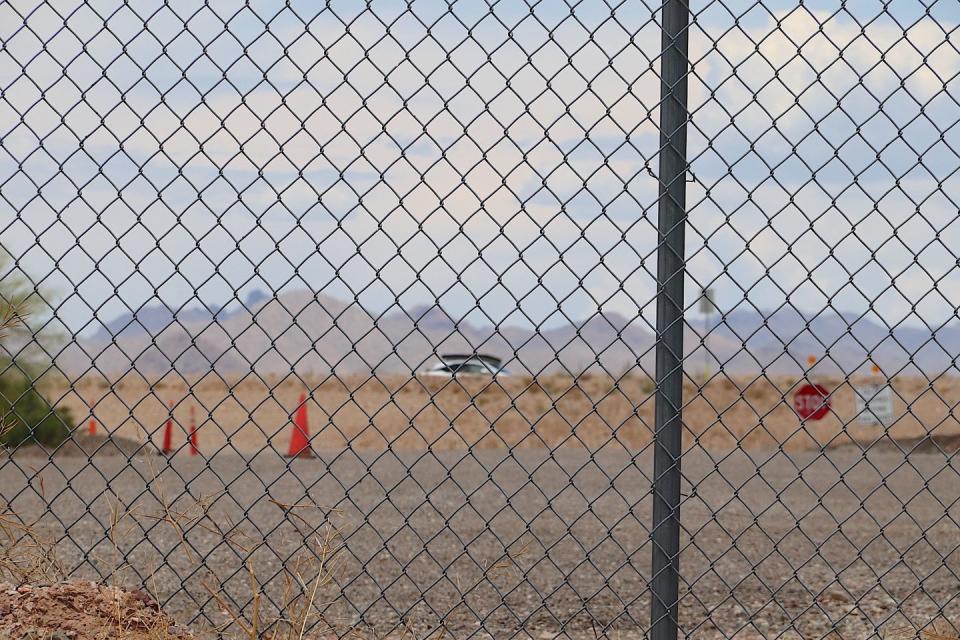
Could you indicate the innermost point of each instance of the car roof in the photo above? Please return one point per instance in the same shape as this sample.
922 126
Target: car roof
492 361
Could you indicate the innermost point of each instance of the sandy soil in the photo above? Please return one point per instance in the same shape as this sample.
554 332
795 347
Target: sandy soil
554 411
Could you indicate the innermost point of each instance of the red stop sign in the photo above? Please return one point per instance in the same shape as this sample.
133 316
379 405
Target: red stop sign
811 402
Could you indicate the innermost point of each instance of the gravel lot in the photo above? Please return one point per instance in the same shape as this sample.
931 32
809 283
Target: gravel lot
512 544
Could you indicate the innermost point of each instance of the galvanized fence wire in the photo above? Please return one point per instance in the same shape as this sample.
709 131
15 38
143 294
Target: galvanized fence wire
709 247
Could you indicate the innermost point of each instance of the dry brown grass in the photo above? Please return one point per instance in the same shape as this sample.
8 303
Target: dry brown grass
314 568
116 607
307 575
26 553
937 631
44 604
552 411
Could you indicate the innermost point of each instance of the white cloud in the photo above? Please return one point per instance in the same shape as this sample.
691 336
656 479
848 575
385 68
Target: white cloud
799 66
441 140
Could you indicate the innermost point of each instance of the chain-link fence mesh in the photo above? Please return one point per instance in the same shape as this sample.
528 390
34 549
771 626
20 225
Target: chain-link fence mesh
358 313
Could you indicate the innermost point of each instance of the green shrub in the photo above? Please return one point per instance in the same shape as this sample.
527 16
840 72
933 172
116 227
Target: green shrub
26 417
648 386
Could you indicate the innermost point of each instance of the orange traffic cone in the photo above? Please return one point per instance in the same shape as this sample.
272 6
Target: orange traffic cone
168 432
92 426
194 450
300 439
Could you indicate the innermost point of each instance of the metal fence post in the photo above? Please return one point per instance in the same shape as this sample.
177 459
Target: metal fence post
669 352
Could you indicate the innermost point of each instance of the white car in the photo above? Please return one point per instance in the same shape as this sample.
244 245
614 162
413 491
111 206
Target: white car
466 365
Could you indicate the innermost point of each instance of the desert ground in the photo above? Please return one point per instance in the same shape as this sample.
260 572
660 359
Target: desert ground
495 544
595 412
481 509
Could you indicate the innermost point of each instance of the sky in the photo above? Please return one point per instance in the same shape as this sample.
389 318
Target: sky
498 159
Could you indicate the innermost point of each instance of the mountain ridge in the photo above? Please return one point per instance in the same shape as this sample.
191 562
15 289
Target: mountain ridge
304 331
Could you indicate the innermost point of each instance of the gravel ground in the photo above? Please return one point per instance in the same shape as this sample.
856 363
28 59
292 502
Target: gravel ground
522 544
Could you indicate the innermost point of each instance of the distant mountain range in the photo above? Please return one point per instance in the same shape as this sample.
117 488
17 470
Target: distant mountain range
307 332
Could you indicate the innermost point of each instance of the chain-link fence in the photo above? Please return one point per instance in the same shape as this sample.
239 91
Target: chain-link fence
509 319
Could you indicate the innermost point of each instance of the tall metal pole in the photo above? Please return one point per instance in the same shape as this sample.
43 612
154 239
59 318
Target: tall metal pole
664 584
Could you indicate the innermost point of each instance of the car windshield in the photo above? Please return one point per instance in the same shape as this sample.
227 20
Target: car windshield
468 367
471 367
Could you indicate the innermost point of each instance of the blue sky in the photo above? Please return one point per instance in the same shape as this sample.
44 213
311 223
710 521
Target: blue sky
494 159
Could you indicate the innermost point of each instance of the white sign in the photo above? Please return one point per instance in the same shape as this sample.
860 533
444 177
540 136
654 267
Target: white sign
707 302
874 404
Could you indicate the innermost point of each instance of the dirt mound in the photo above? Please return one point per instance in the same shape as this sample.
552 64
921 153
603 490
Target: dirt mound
944 444
84 445
83 610
931 444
